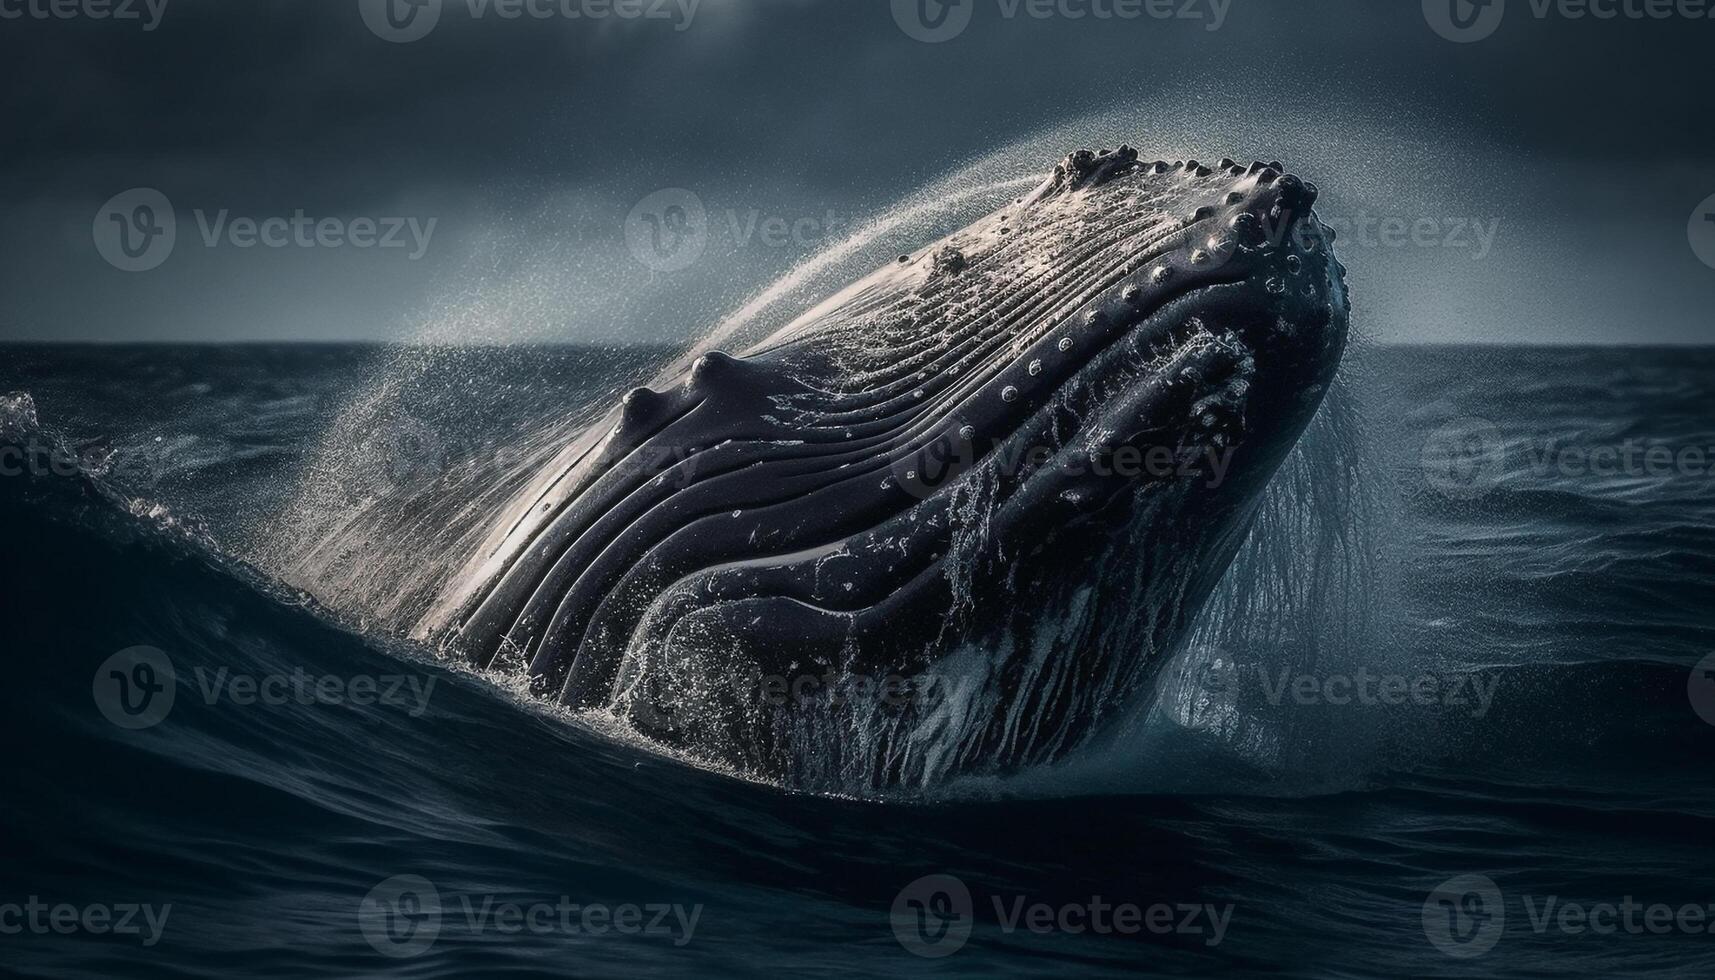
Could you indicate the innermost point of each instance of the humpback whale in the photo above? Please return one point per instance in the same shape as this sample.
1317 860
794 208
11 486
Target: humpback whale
952 519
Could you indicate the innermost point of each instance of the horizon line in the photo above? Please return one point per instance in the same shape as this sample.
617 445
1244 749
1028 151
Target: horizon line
89 342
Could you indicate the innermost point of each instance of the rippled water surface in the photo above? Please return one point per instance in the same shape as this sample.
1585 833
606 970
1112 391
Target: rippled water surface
1528 712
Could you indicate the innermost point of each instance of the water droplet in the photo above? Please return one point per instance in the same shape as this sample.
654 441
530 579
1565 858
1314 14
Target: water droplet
917 394
1160 274
1009 394
1198 256
1276 285
1065 343
1294 265
1035 367
967 432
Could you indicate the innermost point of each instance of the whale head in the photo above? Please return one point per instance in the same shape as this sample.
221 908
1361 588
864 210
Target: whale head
1150 307
1015 462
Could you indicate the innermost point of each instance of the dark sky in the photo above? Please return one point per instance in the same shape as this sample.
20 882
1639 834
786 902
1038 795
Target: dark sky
1539 184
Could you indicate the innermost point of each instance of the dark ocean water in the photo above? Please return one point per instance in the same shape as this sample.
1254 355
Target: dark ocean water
1548 591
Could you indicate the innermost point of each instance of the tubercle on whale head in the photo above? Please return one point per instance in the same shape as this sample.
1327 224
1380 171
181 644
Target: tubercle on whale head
1153 257
1252 224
